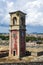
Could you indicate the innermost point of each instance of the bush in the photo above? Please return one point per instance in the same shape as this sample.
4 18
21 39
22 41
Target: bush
27 39
4 37
30 39
34 39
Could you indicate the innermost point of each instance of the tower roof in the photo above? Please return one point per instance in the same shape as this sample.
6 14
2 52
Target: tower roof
18 12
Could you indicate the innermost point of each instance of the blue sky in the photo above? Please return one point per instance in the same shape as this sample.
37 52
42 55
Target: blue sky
33 9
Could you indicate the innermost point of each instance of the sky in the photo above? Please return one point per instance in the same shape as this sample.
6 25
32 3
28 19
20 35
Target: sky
33 9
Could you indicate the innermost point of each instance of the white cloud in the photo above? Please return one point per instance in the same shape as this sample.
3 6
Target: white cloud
1 12
34 17
3 0
10 6
33 9
5 13
6 19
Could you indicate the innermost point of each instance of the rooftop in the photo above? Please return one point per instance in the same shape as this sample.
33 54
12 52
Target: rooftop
17 12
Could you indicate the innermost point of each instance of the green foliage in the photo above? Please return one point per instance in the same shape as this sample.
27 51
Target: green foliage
27 39
31 38
4 37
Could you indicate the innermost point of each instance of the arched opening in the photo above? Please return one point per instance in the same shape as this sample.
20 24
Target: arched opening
14 21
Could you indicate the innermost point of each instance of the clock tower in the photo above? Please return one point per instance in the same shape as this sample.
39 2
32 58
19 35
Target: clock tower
17 46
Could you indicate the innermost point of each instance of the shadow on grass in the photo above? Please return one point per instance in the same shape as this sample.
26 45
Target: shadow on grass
28 53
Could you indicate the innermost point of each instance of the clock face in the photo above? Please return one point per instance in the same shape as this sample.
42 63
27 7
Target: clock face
14 21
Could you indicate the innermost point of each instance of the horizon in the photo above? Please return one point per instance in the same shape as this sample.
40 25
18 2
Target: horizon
26 33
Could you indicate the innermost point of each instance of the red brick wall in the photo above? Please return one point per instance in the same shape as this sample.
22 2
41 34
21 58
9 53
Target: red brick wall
14 35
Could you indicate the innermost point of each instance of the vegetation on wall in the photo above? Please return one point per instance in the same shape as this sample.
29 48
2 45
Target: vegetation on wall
17 13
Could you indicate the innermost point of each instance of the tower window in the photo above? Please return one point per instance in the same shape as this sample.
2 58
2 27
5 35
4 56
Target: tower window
14 21
22 20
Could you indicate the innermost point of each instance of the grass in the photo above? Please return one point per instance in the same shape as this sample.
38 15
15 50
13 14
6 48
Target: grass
24 59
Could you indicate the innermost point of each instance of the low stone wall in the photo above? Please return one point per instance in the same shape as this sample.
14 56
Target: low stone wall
37 53
40 53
